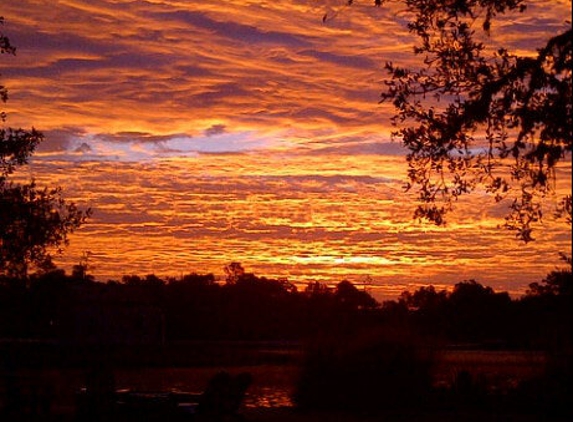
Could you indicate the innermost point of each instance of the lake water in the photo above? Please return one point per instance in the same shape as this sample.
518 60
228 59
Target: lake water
273 384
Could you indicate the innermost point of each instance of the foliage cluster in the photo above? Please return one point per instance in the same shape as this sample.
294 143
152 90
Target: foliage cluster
474 115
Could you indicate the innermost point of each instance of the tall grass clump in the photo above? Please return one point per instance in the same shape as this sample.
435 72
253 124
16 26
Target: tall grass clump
368 369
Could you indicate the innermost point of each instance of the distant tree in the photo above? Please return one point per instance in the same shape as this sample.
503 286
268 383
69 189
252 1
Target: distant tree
547 318
470 312
477 312
234 272
471 293
197 280
556 283
317 288
80 270
350 297
287 285
425 298
475 114
33 220
150 280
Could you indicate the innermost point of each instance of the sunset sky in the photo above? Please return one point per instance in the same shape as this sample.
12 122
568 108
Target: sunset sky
207 132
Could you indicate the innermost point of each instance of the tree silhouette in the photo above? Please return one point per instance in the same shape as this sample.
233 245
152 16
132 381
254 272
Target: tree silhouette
556 283
476 115
350 297
32 219
234 272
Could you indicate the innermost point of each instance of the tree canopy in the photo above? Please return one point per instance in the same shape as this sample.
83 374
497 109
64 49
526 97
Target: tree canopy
32 219
475 115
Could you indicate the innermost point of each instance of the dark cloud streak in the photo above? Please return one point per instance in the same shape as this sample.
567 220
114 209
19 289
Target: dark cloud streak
234 30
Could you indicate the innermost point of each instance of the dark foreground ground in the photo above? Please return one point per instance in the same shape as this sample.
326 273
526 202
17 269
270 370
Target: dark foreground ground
292 415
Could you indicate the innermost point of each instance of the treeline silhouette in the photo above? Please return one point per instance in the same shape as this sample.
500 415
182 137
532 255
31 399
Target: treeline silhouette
59 306
195 307
473 313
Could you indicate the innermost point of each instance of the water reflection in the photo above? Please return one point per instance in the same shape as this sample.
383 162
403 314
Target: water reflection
269 397
272 384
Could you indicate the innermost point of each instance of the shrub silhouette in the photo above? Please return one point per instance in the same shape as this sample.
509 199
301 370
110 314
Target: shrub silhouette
373 369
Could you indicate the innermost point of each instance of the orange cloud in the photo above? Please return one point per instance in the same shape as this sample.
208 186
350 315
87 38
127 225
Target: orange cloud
208 132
